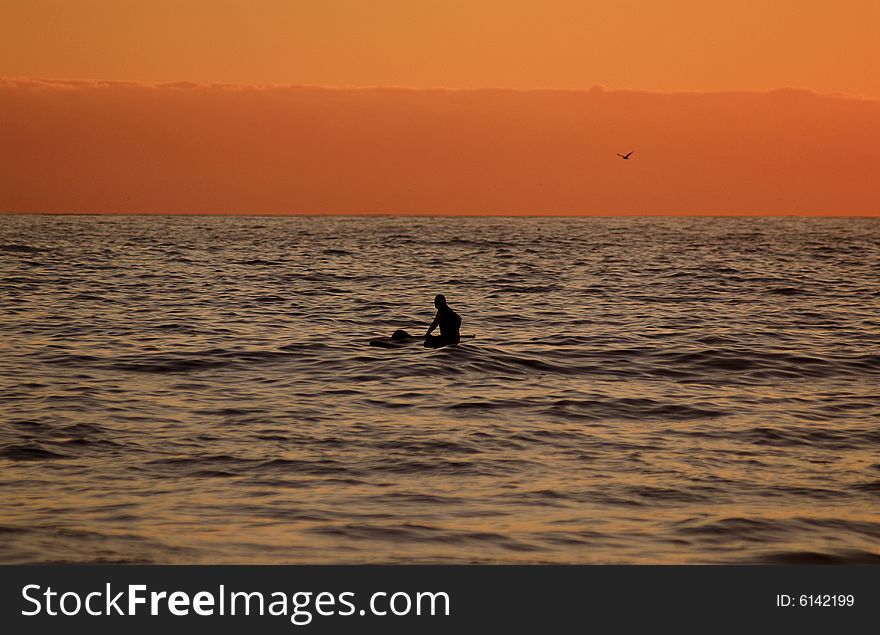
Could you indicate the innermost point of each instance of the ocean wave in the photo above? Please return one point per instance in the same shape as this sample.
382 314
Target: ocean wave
639 390
23 249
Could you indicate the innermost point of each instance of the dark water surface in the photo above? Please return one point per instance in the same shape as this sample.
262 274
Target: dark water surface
199 389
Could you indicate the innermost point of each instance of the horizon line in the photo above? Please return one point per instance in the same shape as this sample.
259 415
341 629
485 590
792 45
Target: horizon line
464 215
593 88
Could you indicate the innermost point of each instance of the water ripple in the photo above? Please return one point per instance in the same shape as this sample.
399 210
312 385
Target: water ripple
200 389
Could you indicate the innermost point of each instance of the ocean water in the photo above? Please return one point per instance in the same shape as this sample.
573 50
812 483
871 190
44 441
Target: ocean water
640 390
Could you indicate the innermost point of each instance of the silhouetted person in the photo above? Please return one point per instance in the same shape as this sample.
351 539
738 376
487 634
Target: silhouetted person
449 322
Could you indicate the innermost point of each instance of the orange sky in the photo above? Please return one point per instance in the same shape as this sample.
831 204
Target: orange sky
115 147
823 45
186 148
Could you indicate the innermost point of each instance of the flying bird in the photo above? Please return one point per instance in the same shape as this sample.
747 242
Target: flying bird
625 156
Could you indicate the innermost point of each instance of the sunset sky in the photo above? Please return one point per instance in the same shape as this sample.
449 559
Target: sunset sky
117 106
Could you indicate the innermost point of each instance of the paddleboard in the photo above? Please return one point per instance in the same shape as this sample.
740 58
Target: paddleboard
397 341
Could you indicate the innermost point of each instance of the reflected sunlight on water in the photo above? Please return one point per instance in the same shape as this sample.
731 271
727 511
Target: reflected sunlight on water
200 389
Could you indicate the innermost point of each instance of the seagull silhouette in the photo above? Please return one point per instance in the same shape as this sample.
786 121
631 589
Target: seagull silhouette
624 156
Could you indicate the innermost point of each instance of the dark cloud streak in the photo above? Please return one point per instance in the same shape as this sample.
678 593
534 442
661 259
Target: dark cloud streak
69 146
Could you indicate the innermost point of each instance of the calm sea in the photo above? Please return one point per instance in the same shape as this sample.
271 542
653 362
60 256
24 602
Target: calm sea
640 390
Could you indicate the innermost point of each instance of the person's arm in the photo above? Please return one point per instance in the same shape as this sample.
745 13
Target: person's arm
433 324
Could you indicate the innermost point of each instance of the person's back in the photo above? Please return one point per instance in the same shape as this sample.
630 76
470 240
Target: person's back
449 322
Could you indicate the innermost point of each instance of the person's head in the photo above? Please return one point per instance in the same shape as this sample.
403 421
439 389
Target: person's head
439 301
